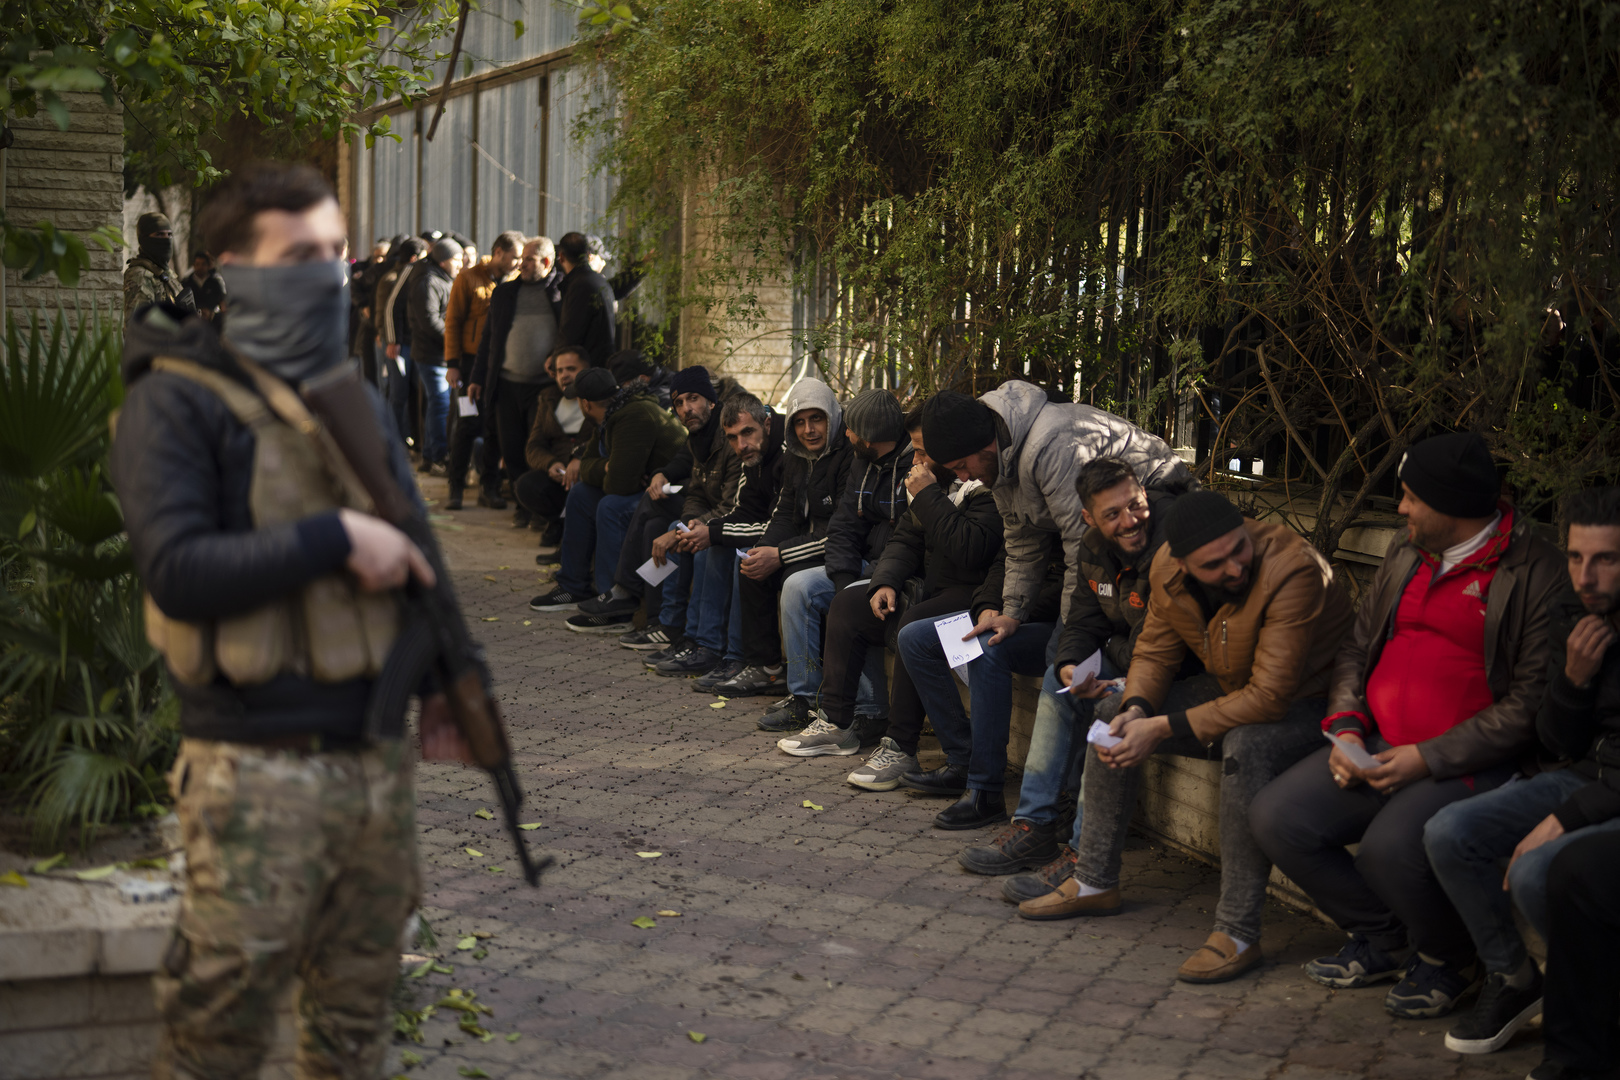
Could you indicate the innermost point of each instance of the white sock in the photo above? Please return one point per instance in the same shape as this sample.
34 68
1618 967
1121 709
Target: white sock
1088 890
620 592
1242 946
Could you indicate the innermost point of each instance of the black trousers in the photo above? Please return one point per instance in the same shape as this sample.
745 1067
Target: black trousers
1387 892
1582 999
648 521
465 432
762 635
539 494
515 406
852 629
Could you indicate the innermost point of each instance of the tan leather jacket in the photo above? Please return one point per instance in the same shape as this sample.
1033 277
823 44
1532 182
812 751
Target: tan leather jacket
1274 648
1518 611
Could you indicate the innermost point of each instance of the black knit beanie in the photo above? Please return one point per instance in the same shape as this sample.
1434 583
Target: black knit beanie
1197 518
595 384
1454 474
955 426
693 380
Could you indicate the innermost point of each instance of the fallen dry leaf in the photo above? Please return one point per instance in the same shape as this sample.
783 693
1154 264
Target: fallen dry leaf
14 879
45 866
485 814
95 875
669 914
812 806
649 854
489 577
474 852
717 704
643 923
530 827
696 1036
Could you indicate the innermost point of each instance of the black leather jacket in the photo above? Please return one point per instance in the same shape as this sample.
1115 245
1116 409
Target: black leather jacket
183 468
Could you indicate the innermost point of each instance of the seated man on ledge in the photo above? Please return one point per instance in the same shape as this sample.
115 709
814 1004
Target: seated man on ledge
1525 825
1259 607
1439 681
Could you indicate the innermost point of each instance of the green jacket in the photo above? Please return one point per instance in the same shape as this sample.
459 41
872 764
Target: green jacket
637 439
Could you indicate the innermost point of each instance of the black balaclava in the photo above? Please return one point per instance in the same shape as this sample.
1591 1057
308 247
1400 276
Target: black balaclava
291 320
158 249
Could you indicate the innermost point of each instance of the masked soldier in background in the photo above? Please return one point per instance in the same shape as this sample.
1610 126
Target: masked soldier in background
270 596
147 278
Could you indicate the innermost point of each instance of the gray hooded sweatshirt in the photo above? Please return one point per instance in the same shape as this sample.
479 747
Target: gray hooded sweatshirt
1043 445
812 484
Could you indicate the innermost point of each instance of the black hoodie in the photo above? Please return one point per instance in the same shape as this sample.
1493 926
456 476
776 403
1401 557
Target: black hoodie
182 465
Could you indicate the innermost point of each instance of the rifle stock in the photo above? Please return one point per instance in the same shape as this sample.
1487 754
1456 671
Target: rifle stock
339 401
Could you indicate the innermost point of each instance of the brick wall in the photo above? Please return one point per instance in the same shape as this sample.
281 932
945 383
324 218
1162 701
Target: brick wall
757 354
75 180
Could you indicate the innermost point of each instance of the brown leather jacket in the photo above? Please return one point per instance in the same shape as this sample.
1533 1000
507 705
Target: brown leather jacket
548 442
1274 648
1518 610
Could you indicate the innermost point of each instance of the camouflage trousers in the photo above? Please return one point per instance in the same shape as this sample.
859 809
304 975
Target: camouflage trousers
297 864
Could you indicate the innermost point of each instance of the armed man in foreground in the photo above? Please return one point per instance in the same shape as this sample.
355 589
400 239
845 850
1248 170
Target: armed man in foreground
1260 609
275 591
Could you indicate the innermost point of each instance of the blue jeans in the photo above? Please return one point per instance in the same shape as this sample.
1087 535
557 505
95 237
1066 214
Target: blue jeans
805 597
734 638
1056 750
1469 844
594 525
436 398
979 744
677 592
710 607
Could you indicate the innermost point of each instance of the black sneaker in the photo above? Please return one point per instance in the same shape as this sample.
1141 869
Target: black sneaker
1022 845
1499 1011
607 604
1015 890
753 680
668 652
558 599
453 500
491 500
520 518
546 560
1358 964
705 684
1427 990
650 637
599 624
945 780
692 660
790 714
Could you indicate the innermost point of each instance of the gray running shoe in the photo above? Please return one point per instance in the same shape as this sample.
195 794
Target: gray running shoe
819 739
882 770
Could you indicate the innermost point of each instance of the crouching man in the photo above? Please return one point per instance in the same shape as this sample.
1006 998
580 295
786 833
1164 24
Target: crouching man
1260 609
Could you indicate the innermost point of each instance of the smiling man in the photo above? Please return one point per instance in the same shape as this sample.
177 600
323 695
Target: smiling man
1259 608
1439 682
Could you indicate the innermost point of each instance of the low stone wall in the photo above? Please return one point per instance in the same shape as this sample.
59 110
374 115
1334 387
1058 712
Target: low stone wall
76 964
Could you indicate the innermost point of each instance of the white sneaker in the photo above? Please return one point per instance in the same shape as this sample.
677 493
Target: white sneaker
883 769
821 737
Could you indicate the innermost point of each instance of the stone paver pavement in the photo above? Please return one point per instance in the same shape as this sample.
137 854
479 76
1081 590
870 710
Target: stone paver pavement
839 940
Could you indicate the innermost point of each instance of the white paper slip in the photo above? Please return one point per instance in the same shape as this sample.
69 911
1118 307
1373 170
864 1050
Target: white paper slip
673 489
466 406
1091 665
951 632
680 526
652 575
1099 735
1355 752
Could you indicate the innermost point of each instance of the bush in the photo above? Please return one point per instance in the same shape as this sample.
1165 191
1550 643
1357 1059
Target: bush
87 724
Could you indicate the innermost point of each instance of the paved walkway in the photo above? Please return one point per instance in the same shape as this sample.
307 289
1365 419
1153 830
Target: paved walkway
834 940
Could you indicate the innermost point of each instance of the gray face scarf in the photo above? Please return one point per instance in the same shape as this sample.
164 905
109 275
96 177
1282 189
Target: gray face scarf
291 320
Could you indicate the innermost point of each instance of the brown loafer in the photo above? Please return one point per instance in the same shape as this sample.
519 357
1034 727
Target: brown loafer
1066 903
1218 960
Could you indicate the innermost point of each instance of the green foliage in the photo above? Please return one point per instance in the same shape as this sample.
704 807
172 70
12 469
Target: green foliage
1315 231
87 726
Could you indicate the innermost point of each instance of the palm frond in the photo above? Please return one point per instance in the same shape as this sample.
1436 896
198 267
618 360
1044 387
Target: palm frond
54 395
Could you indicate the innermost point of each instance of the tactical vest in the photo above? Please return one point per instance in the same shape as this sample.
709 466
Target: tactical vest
331 631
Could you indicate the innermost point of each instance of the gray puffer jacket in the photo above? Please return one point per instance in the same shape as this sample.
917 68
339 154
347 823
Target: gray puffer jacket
1043 444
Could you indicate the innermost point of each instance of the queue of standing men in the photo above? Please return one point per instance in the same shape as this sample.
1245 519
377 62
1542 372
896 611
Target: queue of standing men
1453 727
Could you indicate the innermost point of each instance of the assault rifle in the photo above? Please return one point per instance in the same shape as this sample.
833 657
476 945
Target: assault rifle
434 634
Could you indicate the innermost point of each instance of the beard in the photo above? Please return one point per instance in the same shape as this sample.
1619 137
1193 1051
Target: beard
1599 603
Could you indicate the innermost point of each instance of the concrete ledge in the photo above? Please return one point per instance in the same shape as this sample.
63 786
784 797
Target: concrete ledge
58 928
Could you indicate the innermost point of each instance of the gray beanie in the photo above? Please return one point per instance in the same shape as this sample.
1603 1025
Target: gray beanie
445 249
875 416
